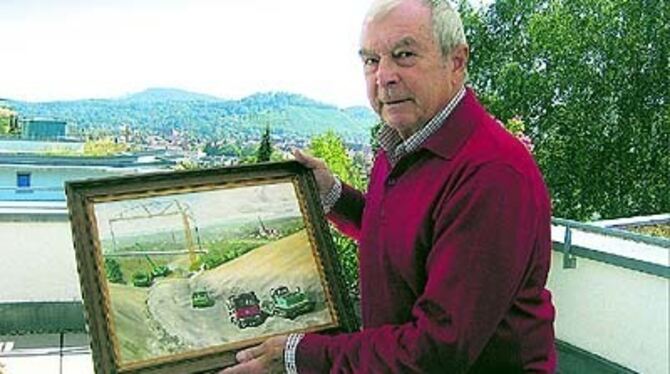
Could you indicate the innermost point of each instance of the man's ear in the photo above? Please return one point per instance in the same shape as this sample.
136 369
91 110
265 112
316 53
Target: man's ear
459 59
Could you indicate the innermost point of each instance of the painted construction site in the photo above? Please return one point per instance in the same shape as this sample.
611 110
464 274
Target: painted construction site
204 269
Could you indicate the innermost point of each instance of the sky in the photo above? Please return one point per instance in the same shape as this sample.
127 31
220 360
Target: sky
73 49
220 206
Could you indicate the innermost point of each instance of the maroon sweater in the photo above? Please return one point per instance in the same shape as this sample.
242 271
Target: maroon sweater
454 252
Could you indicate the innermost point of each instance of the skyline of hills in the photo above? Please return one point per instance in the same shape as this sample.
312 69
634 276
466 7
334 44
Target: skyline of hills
161 110
168 94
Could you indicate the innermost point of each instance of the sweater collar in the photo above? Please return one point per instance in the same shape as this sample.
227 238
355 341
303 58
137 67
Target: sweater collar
456 128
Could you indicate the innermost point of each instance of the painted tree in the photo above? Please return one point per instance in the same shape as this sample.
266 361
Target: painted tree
113 271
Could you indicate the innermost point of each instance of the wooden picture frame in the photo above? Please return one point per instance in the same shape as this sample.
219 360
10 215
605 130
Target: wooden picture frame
179 270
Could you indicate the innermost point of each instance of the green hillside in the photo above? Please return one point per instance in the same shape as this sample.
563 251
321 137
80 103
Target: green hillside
159 111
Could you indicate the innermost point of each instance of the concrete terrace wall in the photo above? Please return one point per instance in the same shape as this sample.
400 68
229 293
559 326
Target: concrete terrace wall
613 305
28 146
615 302
38 261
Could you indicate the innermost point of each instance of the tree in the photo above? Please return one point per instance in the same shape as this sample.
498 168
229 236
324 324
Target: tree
331 149
8 119
265 149
590 79
104 147
212 149
374 132
187 165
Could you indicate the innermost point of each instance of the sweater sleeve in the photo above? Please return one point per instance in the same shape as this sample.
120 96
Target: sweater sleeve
483 236
347 213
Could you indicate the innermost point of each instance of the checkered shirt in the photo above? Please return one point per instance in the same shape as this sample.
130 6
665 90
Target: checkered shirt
396 148
289 353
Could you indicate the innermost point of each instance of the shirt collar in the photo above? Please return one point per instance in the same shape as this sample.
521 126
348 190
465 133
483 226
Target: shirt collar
394 146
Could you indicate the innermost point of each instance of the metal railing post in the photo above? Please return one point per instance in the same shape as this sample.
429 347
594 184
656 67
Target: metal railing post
569 259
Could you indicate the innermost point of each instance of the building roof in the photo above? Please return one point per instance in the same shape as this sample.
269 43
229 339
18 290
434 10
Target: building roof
121 161
33 211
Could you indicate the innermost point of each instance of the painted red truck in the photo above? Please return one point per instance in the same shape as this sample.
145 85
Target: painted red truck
244 310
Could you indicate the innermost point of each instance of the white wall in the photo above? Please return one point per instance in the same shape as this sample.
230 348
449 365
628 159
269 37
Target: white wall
16 146
37 262
619 314
622 315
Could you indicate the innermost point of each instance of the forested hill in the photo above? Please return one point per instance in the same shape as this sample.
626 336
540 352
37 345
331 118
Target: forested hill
159 110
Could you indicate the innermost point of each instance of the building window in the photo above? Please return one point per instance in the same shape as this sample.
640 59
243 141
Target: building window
23 180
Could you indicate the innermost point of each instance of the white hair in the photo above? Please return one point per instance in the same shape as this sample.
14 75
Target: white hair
446 22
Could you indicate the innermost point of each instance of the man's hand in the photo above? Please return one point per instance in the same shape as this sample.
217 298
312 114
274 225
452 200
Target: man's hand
324 177
265 358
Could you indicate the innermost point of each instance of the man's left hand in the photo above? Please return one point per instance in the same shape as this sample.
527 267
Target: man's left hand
265 358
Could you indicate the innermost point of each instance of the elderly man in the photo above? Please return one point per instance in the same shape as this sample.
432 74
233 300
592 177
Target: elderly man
454 230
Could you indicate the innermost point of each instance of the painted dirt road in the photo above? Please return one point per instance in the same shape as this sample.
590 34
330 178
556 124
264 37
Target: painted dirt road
287 262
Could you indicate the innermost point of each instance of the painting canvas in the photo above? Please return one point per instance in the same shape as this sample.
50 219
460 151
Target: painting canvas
193 266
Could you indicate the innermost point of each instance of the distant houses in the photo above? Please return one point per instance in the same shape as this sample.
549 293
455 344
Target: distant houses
40 290
38 156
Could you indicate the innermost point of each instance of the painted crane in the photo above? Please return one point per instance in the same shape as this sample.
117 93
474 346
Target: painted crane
154 209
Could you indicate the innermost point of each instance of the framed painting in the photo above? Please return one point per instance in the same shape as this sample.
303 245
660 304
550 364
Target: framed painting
180 270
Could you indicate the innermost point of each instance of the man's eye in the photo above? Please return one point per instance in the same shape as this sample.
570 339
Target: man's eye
404 54
368 61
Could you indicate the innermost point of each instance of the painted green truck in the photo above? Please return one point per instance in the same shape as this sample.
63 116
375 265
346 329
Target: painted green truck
289 304
142 279
158 270
201 299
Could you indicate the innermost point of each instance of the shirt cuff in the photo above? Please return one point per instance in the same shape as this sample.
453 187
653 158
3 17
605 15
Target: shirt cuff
289 353
328 200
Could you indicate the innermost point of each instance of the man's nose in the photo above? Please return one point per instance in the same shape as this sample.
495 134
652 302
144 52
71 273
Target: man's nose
386 73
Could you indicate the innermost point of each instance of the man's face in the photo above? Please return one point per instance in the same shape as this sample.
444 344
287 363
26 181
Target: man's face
408 80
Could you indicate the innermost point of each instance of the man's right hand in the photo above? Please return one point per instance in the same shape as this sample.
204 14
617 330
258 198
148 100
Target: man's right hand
324 177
